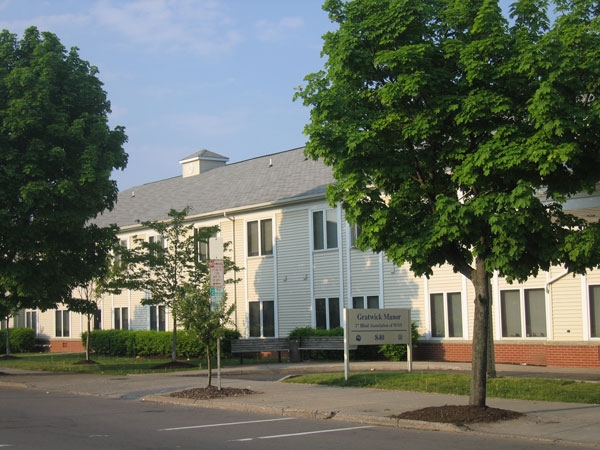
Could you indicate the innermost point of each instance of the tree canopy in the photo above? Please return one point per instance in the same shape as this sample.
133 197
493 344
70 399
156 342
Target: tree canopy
57 154
456 134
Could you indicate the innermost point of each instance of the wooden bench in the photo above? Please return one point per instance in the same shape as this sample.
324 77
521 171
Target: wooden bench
323 343
258 345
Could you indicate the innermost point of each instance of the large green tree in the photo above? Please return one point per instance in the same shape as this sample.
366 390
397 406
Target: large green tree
455 134
56 156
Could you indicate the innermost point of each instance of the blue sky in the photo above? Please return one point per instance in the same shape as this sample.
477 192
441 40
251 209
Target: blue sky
186 75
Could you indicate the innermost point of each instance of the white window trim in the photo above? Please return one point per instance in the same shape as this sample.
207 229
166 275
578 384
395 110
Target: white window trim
524 337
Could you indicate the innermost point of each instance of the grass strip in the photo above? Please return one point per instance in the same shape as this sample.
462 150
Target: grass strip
538 389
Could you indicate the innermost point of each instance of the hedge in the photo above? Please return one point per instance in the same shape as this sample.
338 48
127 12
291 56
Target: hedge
22 340
151 343
391 352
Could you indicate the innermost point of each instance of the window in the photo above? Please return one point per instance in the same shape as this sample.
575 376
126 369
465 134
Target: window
327 313
61 323
31 319
262 318
325 229
121 318
523 310
365 302
354 234
98 320
260 237
157 317
595 311
157 245
202 248
118 259
446 315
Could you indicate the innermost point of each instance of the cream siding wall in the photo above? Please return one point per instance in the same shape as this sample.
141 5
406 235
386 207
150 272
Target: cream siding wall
403 290
326 273
365 270
293 269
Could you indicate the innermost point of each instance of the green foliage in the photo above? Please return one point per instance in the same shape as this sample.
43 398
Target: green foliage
443 123
21 340
310 331
57 155
206 322
397 352
455 136
151 343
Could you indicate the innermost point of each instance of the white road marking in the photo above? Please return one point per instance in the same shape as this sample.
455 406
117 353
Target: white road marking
304 433
225 424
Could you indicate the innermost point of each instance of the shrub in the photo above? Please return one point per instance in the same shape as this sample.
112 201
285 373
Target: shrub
151 343
397 352
310 331
22 340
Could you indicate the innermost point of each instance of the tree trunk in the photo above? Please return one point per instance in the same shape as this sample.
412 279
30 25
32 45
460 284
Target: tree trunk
491 355
480 333
7 337
174 345
87 339
208 366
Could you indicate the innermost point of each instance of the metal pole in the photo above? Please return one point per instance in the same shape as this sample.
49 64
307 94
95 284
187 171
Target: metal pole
219 362
346 349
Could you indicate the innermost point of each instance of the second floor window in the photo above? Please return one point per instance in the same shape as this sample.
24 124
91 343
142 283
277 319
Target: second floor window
365 302
325 229
260 237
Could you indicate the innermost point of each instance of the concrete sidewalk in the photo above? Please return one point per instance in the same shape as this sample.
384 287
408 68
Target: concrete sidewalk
547 421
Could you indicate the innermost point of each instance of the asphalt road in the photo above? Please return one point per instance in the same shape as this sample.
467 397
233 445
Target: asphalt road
33 419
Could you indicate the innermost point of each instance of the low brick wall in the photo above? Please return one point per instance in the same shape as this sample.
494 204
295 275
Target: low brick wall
535 354
66 346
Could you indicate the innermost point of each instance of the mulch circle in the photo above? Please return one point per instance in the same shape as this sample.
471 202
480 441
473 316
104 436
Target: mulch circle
211 392
460 414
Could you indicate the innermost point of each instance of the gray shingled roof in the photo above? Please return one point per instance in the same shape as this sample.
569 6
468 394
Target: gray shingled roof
205 154
289 177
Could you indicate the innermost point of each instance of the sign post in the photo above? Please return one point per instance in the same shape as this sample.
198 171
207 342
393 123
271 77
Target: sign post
217 289
377 327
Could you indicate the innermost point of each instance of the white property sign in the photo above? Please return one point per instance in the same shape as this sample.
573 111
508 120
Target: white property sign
377 327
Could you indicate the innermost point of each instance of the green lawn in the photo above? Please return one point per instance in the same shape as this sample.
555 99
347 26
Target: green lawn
71 363
540 389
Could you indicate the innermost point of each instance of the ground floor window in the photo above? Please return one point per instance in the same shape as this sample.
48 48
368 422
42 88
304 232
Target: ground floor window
595 311
327 312
31 319
523 313
97 320
365 302
61 323
157 317
446 314
121 318
262 318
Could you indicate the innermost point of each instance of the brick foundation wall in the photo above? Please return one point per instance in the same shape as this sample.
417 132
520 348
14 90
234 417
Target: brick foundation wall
535 354
64 346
